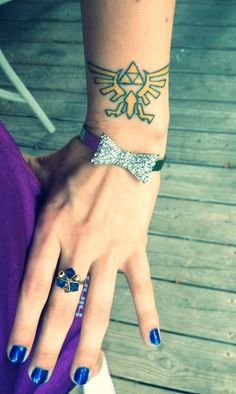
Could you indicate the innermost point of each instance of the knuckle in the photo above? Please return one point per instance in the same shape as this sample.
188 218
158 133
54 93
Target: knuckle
150 315
139 244
142 240
99 312
42 237
85 232
43 220
144 288
45 354
23 332
88 225
82 238
48 218
59 313
34 287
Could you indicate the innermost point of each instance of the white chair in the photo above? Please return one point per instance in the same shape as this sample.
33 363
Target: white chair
23 95
4 1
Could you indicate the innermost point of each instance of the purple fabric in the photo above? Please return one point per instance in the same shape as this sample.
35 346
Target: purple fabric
20 202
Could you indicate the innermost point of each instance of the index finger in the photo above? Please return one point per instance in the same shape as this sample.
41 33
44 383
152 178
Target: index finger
41 264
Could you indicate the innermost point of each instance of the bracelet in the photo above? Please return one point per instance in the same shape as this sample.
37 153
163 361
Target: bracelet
108 152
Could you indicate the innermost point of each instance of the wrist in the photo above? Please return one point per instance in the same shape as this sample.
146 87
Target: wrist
107 152
132 135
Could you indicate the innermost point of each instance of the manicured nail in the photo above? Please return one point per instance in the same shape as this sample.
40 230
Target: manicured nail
154 336
39 375
81 375
17 354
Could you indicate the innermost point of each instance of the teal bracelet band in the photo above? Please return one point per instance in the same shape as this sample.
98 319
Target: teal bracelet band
159 164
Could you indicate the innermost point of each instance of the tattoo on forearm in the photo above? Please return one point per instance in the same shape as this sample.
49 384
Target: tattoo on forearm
130 88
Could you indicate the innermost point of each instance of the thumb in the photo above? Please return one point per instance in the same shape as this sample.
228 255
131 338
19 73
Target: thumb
39 166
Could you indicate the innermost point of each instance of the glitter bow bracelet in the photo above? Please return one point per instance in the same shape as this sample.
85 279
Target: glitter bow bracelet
108 152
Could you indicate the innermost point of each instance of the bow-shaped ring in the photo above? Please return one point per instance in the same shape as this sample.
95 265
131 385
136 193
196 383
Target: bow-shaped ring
139 164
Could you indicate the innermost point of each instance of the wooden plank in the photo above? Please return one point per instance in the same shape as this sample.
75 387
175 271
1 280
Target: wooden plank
68 11
187 364
203 115
186 115
176 179
129 387
4 1
209 61
187 60
212 37
204 148
202 87
195 220
182 86
183 146
209 2
190 262
203 14
183 309
50 54
183 260
41 31
214 2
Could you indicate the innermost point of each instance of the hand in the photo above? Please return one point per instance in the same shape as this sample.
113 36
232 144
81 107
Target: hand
95 219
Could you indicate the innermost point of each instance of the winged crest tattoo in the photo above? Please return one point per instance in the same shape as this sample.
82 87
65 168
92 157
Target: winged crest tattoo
130 88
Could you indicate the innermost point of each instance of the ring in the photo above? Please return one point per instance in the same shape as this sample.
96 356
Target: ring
68 280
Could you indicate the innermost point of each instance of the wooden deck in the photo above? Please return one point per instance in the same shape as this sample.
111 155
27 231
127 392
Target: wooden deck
192 243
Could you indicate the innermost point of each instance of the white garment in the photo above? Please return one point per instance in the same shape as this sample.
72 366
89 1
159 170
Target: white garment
99 384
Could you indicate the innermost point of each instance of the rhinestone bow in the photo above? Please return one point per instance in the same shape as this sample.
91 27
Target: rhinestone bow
139 164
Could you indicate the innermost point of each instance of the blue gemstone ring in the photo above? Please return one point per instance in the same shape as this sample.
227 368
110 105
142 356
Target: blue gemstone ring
68 280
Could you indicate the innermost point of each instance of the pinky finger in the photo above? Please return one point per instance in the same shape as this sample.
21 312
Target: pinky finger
139 279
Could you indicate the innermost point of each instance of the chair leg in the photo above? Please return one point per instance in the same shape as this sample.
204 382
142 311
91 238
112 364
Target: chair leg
4 1
16 97
24 92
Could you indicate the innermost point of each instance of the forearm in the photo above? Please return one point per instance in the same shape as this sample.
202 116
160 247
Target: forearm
117 33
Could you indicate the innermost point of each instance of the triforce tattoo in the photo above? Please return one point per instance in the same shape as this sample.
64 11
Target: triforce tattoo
131 88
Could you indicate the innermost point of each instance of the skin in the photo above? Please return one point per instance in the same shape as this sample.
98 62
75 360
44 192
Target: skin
71 226
46 169
96 218
116 33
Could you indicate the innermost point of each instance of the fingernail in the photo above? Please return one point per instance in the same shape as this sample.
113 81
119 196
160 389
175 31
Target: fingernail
81 375
154 336
39 375
17 354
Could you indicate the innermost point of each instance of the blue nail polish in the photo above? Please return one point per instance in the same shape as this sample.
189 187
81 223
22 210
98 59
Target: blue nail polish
17 354
81 375
39 375
154 336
